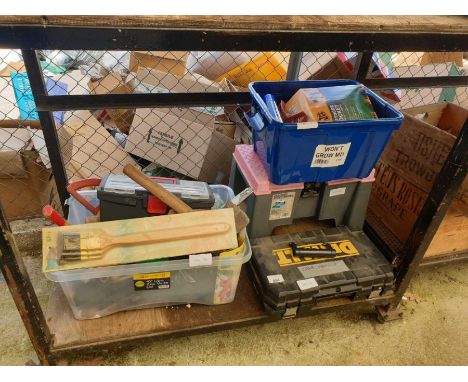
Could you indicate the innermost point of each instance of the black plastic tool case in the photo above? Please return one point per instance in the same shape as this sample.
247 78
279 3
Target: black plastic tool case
289 286
121 198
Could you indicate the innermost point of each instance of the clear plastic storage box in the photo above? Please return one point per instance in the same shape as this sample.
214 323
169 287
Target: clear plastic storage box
98 292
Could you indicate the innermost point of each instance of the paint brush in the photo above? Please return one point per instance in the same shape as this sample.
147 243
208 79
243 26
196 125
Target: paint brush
94 245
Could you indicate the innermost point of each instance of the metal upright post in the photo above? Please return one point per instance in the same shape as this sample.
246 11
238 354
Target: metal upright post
22 291
361 67
294 65
46 118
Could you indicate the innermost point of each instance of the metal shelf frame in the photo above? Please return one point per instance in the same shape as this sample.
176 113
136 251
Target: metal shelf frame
30 38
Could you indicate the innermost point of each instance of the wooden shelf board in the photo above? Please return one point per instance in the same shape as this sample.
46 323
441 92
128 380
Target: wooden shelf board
70 334
452 236
411 24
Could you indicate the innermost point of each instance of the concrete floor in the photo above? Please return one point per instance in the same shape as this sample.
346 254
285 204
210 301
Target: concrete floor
432 332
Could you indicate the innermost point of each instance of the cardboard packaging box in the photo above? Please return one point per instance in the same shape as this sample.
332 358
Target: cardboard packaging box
426 96
25 183
410 164
91 150
115 84
265 66
425 58
164 61
333 68
182 140
213 64
182 145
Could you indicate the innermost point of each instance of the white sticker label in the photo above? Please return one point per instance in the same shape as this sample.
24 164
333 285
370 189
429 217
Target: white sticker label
200 260
330 155
282 205
322 269
338 191
307 125
241 196
307 283
273 279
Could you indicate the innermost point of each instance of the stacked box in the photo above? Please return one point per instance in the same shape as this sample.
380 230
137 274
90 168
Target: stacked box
291 285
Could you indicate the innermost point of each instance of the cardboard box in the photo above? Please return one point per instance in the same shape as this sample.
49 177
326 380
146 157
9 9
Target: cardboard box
179 143
265 66
115 84
173 62
425 58
91 151
225 127
213 64
25 183
182 140
410 163
426 96
333 68
156 81
174 139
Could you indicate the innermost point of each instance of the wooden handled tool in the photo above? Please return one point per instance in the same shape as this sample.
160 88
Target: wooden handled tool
157 190
93 245
50 213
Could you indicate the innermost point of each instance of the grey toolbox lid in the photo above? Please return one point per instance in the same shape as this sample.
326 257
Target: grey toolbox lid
359 269
195 193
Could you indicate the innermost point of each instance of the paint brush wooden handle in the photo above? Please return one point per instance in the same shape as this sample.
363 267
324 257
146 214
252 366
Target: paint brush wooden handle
164 235
157 190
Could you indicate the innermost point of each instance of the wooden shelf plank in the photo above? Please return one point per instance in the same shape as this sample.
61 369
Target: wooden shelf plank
412 24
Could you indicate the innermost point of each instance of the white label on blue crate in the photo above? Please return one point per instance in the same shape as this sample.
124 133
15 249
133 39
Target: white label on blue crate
307 125
330 155
273 279
200 260
338 191
307 283
282 205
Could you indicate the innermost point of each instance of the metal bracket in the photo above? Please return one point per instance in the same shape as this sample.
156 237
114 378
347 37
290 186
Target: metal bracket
388 313
290 312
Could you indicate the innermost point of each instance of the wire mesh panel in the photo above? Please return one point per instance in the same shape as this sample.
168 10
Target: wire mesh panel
184 142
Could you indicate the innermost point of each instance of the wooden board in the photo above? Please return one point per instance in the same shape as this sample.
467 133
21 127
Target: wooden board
246 309
418 150
193 232
452 235
431 24
410 164
395 200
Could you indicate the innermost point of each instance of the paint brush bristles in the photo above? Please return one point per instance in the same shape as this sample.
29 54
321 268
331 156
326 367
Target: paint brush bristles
84 246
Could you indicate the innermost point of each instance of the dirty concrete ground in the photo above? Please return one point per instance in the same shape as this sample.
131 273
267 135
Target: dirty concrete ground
434 331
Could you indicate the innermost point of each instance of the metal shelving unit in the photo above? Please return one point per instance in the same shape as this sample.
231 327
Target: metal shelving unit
55 333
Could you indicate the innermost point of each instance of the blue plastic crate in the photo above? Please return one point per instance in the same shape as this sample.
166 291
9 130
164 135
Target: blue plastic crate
25 99
294 152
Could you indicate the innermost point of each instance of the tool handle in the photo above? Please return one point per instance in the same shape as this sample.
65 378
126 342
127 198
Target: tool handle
165 235
312 252
73 188
50 213
157 190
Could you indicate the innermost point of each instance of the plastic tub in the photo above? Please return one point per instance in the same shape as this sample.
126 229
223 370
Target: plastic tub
289 150
98 292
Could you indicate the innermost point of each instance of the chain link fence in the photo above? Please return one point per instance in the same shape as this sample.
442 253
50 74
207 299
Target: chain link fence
188 142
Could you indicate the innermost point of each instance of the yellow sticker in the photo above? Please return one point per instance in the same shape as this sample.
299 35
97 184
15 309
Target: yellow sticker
150 276
140 284
343 248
